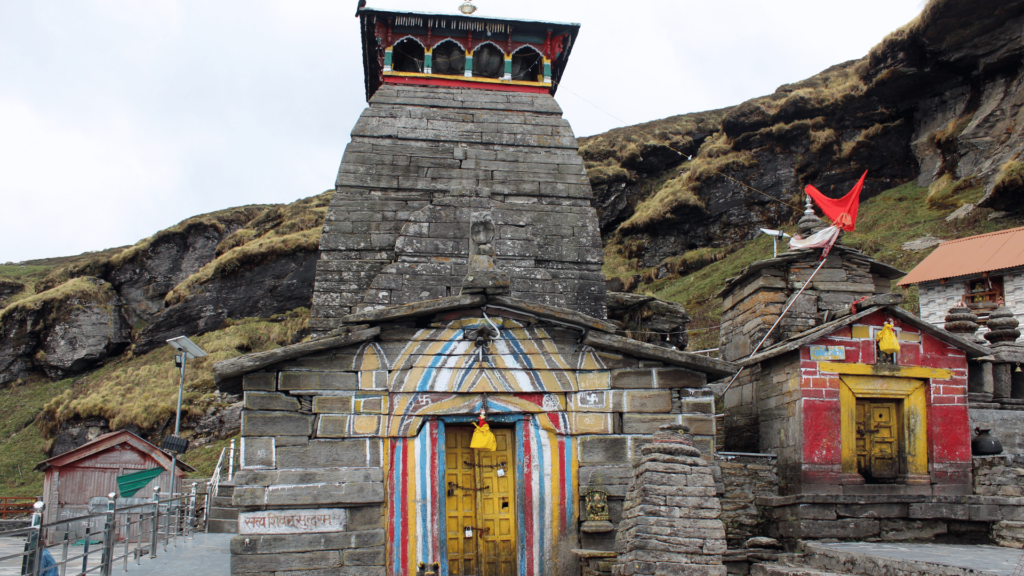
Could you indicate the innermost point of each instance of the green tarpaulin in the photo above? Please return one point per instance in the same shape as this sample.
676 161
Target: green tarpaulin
129 484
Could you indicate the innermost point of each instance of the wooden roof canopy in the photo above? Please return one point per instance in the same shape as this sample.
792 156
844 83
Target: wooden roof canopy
108 441
382 29
969 256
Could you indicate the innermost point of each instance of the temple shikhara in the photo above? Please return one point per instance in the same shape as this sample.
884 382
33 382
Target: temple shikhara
471 404
459 282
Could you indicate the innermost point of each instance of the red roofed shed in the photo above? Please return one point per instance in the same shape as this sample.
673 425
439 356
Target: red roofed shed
92 469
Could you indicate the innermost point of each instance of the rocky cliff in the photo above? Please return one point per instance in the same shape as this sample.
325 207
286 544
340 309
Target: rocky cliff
937 102
252 261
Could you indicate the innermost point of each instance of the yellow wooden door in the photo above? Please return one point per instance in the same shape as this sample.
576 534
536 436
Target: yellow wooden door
885 441
878 442
481 505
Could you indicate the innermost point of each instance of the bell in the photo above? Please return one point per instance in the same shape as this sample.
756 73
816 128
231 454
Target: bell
1018 367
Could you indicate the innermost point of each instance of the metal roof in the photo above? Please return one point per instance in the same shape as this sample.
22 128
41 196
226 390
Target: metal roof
973 255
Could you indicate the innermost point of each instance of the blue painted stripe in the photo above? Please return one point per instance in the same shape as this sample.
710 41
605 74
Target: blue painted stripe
423 492
544 525
424 384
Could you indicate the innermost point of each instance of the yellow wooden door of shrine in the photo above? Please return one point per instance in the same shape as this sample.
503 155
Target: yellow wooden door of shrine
480 515
878 442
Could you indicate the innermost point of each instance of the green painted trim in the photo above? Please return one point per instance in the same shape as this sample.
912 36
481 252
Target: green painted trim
387 57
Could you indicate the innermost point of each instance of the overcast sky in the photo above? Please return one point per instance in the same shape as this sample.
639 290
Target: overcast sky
122 117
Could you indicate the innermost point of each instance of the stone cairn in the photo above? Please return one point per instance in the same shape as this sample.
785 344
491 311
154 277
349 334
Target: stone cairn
671 516
964 323
1002 326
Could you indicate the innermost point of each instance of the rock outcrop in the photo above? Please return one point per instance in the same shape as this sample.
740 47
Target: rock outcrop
62 331
938 102
9 288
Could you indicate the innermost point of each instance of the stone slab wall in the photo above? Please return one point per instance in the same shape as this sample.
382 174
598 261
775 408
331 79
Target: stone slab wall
422 162
1006 425
750 309
1001 475
744 480
890 518
317 429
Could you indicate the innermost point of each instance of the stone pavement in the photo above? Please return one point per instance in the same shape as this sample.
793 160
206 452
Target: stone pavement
982 559
206 555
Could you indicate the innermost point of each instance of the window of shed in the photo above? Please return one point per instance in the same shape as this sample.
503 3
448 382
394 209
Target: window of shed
983 296
407 56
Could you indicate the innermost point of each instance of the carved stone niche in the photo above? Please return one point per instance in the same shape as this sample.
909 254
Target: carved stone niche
596 503
483 276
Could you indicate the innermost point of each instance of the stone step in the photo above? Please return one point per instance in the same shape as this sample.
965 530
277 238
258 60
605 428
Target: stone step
887 559
224 514
222 502
222 526
773 569
225 491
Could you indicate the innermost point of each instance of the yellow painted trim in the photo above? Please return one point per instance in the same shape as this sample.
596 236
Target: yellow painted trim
883 370
472 79
908 337
860 331
848 429
915 417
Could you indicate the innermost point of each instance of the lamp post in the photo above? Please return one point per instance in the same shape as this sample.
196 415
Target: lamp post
176 445
775 234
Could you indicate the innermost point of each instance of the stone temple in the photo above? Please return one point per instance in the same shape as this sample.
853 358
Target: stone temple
459 276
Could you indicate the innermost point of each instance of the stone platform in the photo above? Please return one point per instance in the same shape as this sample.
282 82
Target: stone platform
893 517
889 558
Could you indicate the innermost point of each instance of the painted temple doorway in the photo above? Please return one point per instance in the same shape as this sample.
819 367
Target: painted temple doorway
879 455
481 508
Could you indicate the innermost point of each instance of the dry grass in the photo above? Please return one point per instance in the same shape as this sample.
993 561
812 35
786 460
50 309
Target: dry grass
681 193
1010 181
143 390
823 141
70 293
103 262
277 232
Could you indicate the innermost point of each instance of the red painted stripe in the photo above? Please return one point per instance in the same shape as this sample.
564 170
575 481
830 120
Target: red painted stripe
465 84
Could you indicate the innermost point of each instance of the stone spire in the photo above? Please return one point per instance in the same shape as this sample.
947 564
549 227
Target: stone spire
964 323
1002 326
809 223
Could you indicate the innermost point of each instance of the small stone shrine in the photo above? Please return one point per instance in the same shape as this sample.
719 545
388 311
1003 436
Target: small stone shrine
670 520
459 278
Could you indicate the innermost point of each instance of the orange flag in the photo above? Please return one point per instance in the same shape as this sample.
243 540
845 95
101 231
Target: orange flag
843 211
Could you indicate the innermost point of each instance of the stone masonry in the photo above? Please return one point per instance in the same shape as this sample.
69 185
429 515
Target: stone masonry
752 301
745 479
422 162
671 519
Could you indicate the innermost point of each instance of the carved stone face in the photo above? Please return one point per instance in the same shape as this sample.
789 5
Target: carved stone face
482 231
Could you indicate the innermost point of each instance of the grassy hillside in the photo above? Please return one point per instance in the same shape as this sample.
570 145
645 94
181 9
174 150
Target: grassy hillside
885 222
139 390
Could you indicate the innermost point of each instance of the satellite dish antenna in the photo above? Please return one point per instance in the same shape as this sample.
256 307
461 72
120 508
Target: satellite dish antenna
775 234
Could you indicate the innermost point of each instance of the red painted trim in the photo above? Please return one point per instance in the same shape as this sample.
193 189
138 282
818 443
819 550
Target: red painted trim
465 84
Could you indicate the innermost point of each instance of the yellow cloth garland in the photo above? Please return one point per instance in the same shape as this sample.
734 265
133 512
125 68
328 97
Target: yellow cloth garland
887 341
483 438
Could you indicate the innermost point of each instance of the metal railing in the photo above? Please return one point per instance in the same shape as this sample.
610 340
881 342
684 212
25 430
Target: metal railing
16 505
214 484
120 535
